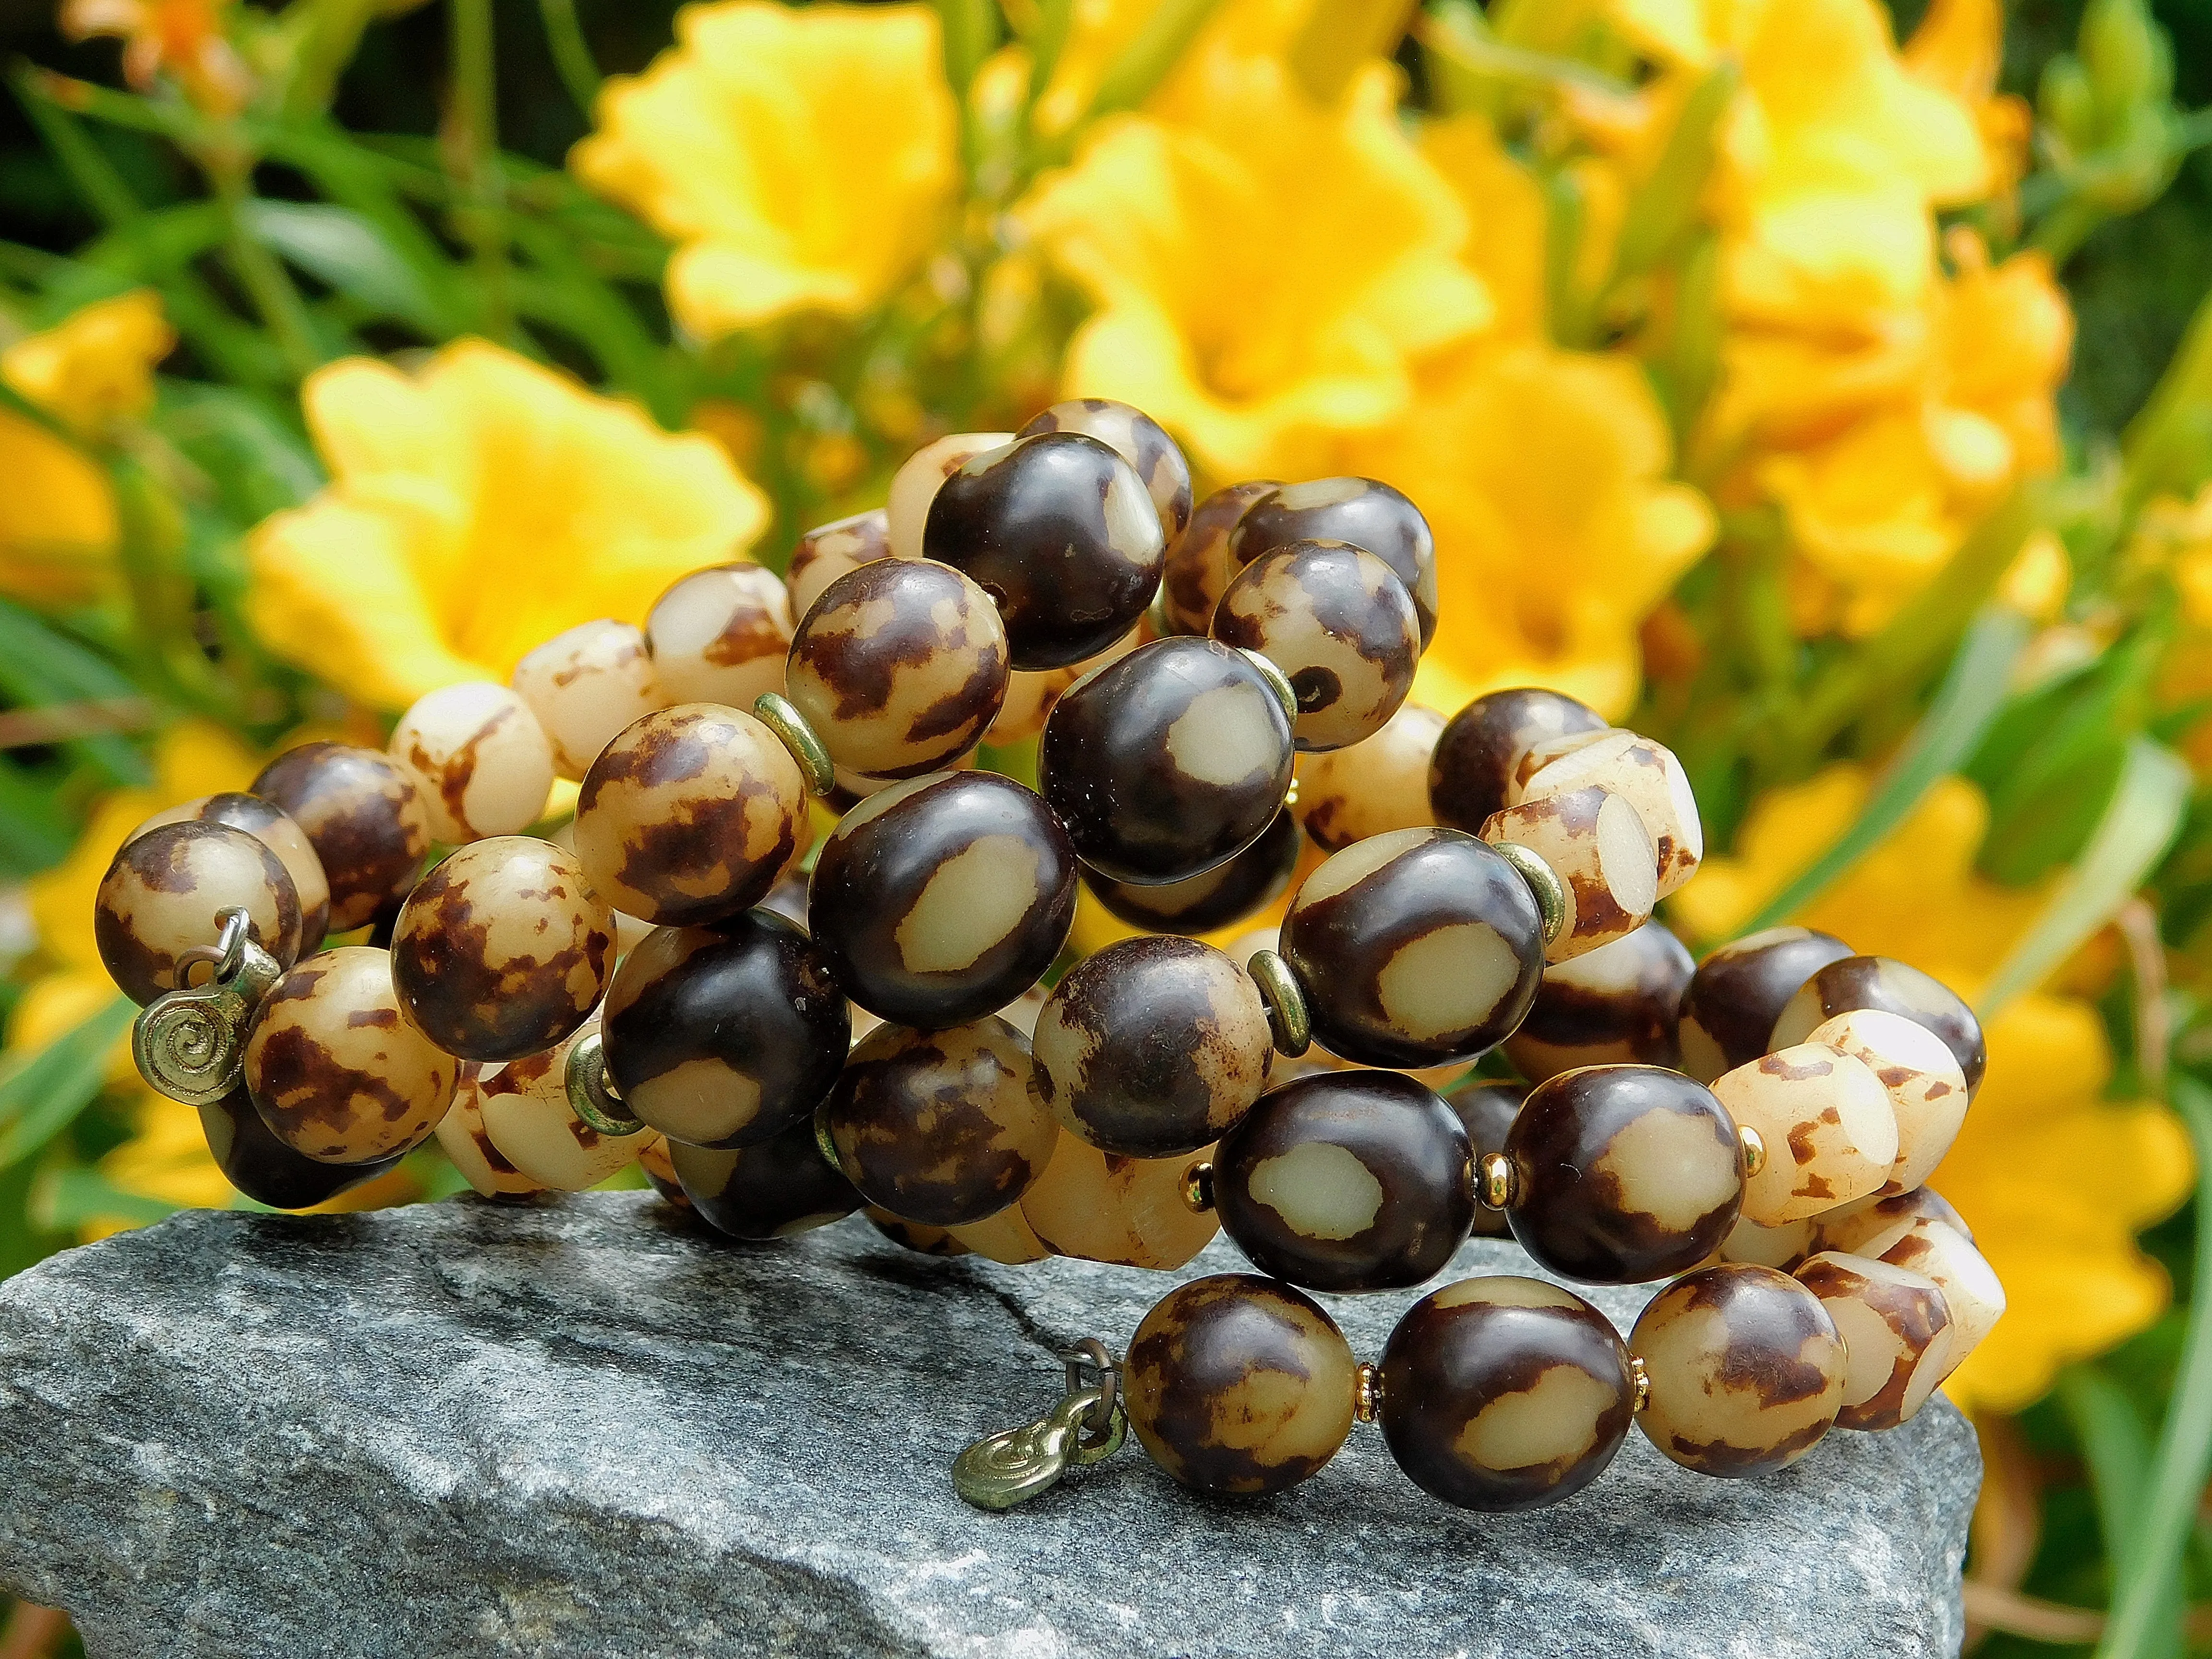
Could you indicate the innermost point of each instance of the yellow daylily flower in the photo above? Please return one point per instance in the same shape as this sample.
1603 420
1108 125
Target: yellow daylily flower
96 366
1959 50
2074 1281
800 159
184 37
478 507
1505 199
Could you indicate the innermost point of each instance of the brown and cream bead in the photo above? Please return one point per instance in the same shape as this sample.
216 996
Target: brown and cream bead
1138 438
1896 1329
913 1235
1827 1125
1199 564
1361 511
771 1190
1006 1238
523 1106
1339 624
1740 989
1031 697
273 827
1101 1206
583 686
364 817
1936 1250
1644 773
1239 1384
503 950
335 1071
483 762
914 487
1595 844
1504 1393
1850 1226
468 1146
1220 897
1487 1110
1615 1003
1373 787
1927 1090
1746 1368
827 552
267 1170
720 634
1894 987
166 890
1782 1247
1470 770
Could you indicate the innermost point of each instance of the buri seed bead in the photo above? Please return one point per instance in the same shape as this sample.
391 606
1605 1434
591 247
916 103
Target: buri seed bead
1361 511
1415 948
1927 1090
524 1108
772 1190
939 900
503 950
1239 1384
1740 991
484 763
1936 1250
1486 1111
914 487
1504 1393
268 1171
1100 1206
1894 987
824 553
1896 1329
1648 777
1471 774
1827 1124
720 634
1593 842
1612 1005
166 893
1346 1180
1138 438
1219 898
1167 762
725 1036
1373 787
1622 1174
364 817
468 1146
1339 624
273 828
1849 1227
1199 565
585 685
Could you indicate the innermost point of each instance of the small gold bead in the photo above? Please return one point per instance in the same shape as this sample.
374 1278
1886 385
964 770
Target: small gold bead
1641 1378
1495 1184
1197 1186
1754 1149
593 1097
1367 1393
1543 886
1286 1004
780 716
1278 682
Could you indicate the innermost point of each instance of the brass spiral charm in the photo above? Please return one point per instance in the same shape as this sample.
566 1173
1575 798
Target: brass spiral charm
189 1046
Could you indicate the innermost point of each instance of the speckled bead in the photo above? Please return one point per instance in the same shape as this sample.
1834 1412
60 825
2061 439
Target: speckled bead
1647 776
1782 1247
1896 1328
1199 565
1895 987
483 762
1471 771
1238 1384
1927 1090
268 1171
780 1188
1827 1124
1622 1174
274 828
690 815
1152 1047
1373 787
1740 991
1615 1003
1486 1111
1339 624
503 950
900 667
1592 840
1103 1207
912 1235
939 900
1138 438
1168 761
586 685
725 1036
1745 1367
364 817
165 894
1850 1226
336 1072
524 1108
1504 1393
1414 948
467 1144
1936 1250
824 553
1060 532
1361 511
914 487
720 634
940 1126
1006 1238
1347 1181
1219 898
654 1162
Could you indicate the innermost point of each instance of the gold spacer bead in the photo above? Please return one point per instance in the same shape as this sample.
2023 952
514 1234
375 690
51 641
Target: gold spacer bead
1366 1393
1197 1186
1286 1004
1543 886
1641 1378
1156 614
593 1096
824 1143
776 711
1754 1149
1495 1184
1278 682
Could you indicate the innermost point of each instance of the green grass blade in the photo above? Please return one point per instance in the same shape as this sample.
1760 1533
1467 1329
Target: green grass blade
2116 1447
68 1197
42 1092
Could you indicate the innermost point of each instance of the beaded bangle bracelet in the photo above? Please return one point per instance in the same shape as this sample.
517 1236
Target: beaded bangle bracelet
1756 1128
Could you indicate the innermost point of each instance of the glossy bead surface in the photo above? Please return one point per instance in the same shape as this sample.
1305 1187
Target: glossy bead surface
773 1190
524 1108
1504 1393
1103 1207
827 552
725 1036
1896 1328
1936 1250
1650 778
1615 1003
483 762
336 1072
690 815
1339 624
659 1170
503 950
1746 1368
914 487
1361 511
1239 1384
1740 989
900 667
1851 1226
1006 1238
1199 565
1486 1111
467 1144
1138 438
1593 842
1346 1180
364 817
274 828
165 894
1471 771
1060 532
939 1127
1927 1090
1168 761
1373 787
1623 1174
1782 1246
268 1171
720 634
1414 948
1895 987
1246 881
1827 1124
939 900
1152 1047
586 685
912 1235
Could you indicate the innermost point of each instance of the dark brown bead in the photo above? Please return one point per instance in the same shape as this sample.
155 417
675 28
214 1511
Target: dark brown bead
1623 1174
1347 1181
1416 948
1167 762
1199 566
1237 1383
1894 988
1739 991
268 1171
1138 438
1339 624
1486 1111
1226 894
1471 774
655 1158
269 824
912 1235
943 898
364 817
1362 511
772 1190
1060 532
1618 1003
1504 1393
166 892
725 1036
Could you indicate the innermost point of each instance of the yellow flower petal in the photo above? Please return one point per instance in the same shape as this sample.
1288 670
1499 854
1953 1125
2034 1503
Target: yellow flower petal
57 528
96 366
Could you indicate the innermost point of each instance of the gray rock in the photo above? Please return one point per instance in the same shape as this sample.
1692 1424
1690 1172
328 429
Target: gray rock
587 1429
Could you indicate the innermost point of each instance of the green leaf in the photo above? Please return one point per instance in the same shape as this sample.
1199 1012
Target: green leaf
35 832
2116 1447
337 247
1666 210
67 1198
40 667
42 1092
970 31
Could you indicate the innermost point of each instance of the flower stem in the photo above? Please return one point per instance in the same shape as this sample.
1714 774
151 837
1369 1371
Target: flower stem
476 131
264 277
572 54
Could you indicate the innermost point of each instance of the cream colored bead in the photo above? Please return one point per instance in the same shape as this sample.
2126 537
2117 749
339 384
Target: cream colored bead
1849 1226
525 1108
1927 1090
583 686
1372 787
1538 756
1652 781
1766 1247
1594 842
1831 1136
468 1145
720 634
483 761
1005 1237
1897 1331
1939 1251
919 478
827 551
1131 1210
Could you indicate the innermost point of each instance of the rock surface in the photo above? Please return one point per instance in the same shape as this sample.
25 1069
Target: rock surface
588 1429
